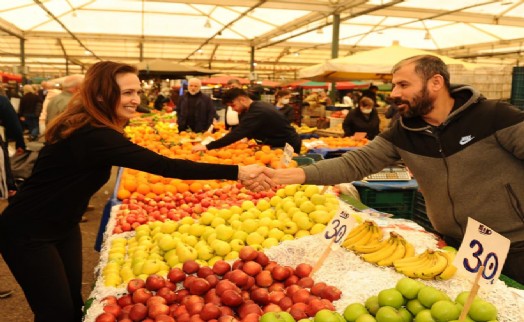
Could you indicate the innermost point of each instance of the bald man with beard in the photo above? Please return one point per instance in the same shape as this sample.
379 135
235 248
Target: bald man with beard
195 110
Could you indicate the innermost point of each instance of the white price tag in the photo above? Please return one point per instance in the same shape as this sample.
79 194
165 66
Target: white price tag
287 156
482 246
339 227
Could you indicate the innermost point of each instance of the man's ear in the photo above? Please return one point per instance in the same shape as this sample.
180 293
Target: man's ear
436 83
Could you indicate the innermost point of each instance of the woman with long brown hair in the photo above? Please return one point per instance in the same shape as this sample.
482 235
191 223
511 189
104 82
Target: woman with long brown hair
40 237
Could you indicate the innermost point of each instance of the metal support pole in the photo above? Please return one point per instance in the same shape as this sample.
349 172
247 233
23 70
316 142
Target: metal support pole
334 51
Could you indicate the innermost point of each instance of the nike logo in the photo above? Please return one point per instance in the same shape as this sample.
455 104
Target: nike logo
466 139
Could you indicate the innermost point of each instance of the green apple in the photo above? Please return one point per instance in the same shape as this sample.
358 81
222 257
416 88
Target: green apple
167 243
171 258
276 317
256 213
190 239
237 244
212 237
247 215
247 204
444 310
481 310
317 229
304 223
408 287
196 229
287 205
205 252
263 204
270 242
414 306
320 216
388 314
275 200
234 217
307 206
269 214
291 189
311 190
275 223
239 234
254 238
185 253
265 221
372 304
424 316
236 224
184 228
406 315
353 311
275 233
318 199
281 193
463 296
232 255
290 228
168 226
222 248
217 221
224 232
236 210
366 318
390 297
154 224
225 213
301 233
326 315
449 249
428 295
287 237
263 231
206 218
249 225
117 258
151 266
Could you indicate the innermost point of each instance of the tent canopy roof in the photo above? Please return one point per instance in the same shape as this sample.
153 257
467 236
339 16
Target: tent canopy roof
286 35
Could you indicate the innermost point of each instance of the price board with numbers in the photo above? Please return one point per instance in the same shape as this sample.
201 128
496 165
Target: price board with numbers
339 226
482 246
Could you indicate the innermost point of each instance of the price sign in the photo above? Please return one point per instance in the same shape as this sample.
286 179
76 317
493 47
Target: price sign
339 227
359 135
287 156
482 246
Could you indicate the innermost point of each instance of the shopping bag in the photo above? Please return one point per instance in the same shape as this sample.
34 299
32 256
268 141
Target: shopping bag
22 165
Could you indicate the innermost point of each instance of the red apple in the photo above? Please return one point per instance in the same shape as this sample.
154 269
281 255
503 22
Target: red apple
285 303
271 307
277 286
176 275
317 288
125 300
167 294
238 277
156 309
300 296
190 267
314 306
105 317
155 282
210 311
262 259
224 285
248 308
221 267
260 296
199 286
164 318
138 312
204 271
303 270
212 297
292 280
155 299
141 295
331 293
276 296
264 279
231 298
252 268
110 300
306 282
248 253
280 273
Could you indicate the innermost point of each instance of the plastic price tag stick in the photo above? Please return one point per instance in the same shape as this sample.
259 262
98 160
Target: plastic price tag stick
336 232
472 293
287 156
481 246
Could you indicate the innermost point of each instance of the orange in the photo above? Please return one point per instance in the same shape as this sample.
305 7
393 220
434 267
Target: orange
153 178
143 188
182 187
195 187
123 194
130 185
158 188
170 188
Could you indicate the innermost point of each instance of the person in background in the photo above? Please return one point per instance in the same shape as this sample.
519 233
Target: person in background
195 110
258 120
282 103
454 141
371 92
324 99
70 86
364 118
347 100
52 92
392 112
40 238
13 130
231 116
29 111
162 99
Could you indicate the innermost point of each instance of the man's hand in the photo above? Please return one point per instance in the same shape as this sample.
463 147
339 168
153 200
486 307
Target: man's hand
198 148
255 177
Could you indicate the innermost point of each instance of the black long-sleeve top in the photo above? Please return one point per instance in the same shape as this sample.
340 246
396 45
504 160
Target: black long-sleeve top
69 172
356 121
30 104
263 123
9 120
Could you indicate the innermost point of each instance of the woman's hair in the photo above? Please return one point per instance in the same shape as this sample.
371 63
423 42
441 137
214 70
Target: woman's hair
95 103
281 93
366 101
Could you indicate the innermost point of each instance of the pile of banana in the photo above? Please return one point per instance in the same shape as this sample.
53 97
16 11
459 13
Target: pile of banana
304 129
428 265
366 240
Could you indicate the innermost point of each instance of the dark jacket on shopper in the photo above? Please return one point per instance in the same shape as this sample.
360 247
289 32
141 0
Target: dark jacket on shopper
263 123
288 112
30 104
195 112
356 121
472 165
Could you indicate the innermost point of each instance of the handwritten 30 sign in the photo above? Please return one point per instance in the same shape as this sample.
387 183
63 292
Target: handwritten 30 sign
339 226
482 246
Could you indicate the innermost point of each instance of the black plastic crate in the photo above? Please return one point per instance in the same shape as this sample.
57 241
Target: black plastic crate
396 202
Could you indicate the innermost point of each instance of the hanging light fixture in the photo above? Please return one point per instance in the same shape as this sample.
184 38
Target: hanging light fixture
207 24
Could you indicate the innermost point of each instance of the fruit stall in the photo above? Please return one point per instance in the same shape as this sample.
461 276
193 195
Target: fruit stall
182 250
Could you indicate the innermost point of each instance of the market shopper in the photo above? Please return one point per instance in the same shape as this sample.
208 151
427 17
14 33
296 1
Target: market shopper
230 115
29 111
195 110
466 152
40 237
258 120
364 118
282 98
70 86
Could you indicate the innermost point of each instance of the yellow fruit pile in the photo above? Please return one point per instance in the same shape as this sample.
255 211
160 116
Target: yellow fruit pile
428 265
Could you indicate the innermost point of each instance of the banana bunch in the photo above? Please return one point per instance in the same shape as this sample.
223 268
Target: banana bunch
385 252
304 129
428 265
364 234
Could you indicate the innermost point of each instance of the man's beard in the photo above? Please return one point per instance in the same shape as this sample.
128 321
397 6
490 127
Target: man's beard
422 104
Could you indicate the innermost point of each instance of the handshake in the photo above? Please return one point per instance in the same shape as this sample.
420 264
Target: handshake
259 178
256 177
